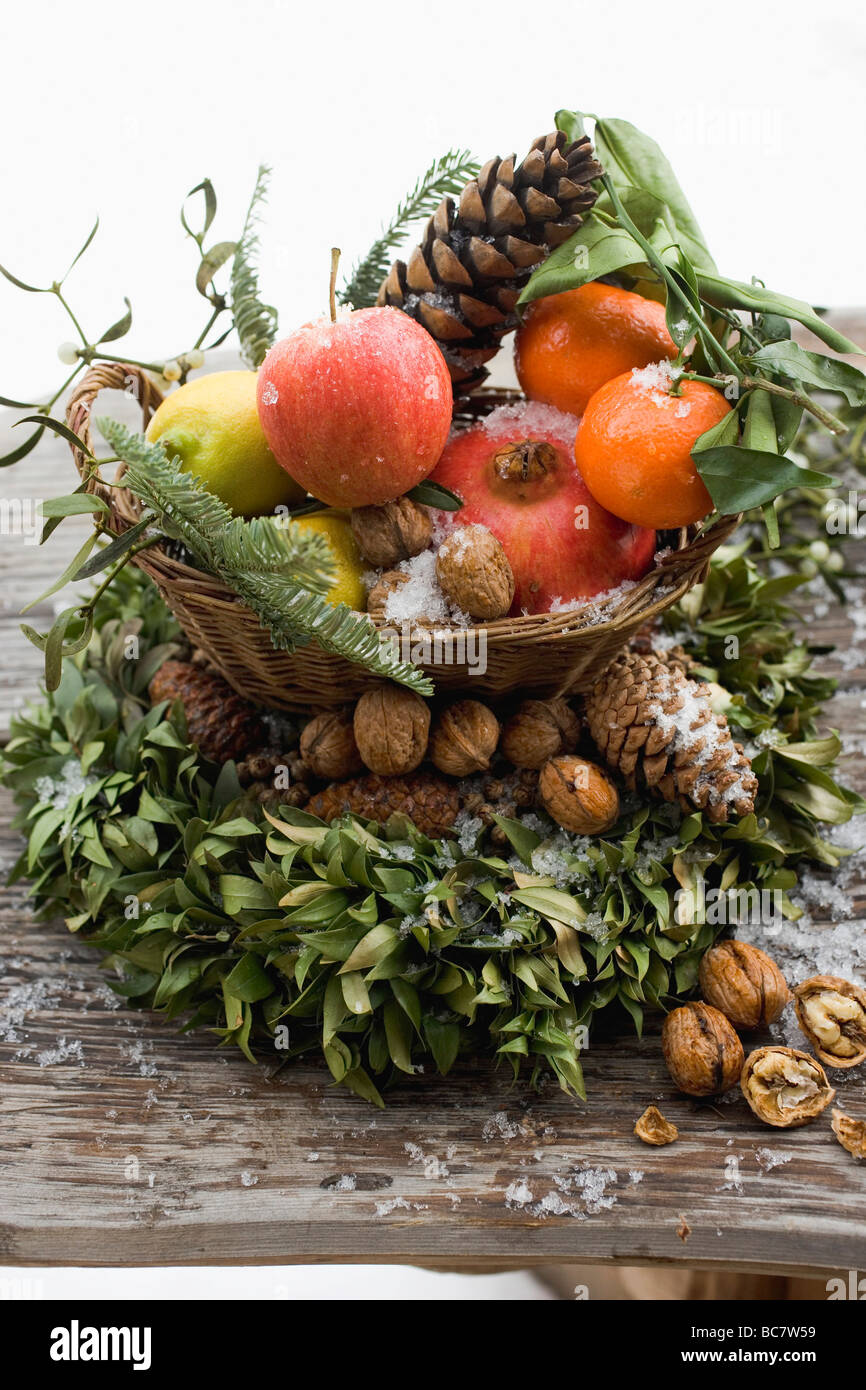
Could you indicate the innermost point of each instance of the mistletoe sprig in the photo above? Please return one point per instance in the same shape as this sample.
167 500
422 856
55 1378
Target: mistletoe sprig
643 231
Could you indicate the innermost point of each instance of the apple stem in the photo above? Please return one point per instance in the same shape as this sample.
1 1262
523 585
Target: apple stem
335 261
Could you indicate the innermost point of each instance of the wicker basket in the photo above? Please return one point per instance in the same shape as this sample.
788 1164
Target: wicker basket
544 654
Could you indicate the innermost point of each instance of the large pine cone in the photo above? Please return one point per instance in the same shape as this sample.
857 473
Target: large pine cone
658 730
463 281
428 800
220 723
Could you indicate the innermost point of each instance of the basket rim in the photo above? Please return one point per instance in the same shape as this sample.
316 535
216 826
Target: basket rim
681 567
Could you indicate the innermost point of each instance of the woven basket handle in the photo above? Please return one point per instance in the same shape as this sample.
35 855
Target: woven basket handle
133 382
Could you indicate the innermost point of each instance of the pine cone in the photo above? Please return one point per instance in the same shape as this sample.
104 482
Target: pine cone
463 281
220 723
657 729
428 800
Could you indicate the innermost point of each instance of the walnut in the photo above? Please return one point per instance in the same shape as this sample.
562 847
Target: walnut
391 729
538 730
382 590
578 795
785 1088
744 983
703 1053
464 738
850 1133
832 1014
388 534
328 746
474 573
653 1128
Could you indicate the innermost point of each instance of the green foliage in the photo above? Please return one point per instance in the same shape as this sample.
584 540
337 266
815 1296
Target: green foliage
255 322
444 177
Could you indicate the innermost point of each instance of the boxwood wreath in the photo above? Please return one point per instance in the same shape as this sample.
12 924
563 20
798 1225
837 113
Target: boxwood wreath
384 949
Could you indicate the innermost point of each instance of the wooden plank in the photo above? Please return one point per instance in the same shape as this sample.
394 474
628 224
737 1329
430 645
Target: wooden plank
123 1143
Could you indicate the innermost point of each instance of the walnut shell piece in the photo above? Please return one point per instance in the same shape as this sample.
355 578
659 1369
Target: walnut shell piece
464 738
388 534
328 746
785 1088
474 573
538 730
703 1053
578 795
653 1128
744 983
391 726
832 1014
850 1133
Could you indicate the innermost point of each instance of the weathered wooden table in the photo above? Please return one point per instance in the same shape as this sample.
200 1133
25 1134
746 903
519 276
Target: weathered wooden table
123 1143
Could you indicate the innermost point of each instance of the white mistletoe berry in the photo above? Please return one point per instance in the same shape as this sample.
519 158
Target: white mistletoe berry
68 353
171 371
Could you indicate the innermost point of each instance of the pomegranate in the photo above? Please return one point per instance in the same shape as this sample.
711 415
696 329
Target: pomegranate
516 474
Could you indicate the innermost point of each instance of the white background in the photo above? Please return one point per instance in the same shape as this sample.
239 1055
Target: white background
119 110
111 110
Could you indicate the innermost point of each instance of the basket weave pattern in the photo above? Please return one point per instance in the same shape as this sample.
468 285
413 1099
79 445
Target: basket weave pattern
541 654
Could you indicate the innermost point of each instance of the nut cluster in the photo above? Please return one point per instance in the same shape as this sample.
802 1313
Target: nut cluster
474 573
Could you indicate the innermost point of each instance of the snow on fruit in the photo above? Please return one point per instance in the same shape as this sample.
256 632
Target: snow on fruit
357 410
516 474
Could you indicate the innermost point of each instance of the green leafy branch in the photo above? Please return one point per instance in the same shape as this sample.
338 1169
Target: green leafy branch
256 323
643 231
445 177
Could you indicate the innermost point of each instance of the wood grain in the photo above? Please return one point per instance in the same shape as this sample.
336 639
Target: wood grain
123 1143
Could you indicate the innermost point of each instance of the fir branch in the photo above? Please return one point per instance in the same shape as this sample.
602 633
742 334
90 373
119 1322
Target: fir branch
255 322
281 571
445 177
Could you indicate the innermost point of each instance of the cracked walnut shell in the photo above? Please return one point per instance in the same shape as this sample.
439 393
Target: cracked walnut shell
328 746
391 729
703 1053
393 532
850 1133
464 738
474 573
578 795
538 730
653 1128
785 1088
744 983
832 1014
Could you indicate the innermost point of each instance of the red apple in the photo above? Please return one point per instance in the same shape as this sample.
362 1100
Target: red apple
516 474
356 411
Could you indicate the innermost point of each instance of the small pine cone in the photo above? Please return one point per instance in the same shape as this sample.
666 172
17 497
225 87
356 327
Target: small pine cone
657 728
463 282
220 723
393 532
429 801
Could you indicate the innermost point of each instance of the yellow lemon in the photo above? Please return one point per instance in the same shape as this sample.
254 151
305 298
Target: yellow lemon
212 424
349 566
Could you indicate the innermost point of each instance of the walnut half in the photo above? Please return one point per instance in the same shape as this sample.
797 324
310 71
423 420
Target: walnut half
785 1088
832 1014
850 1133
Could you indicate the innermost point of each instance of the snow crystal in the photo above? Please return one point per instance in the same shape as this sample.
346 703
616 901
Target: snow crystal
20 1002
270 394
248 1179
656 378
767 1159
58 792
433 1167
499 1124
594 610
394 1203
518 1194
347 1182
530 417
420 596
65 1051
